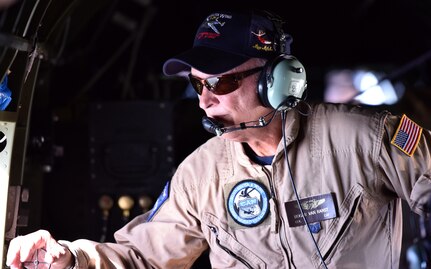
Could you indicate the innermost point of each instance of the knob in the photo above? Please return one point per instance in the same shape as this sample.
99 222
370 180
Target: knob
145 202
105 204
126 203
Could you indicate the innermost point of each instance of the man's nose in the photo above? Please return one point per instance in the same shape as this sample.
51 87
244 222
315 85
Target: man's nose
207 99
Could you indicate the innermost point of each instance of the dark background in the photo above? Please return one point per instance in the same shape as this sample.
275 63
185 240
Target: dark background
105 121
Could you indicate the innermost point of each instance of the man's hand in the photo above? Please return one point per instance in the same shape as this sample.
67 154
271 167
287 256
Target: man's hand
26 249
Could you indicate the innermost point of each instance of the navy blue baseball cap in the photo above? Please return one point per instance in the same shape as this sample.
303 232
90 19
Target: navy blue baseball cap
226 40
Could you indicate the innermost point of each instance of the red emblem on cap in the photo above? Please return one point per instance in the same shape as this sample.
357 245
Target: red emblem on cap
261 37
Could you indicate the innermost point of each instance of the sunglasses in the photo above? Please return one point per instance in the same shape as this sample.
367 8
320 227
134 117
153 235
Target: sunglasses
221 85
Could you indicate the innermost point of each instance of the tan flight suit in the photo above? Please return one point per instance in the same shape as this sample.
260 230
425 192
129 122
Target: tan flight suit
341 159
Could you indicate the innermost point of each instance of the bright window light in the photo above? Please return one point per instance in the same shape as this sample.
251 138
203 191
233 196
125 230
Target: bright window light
361 86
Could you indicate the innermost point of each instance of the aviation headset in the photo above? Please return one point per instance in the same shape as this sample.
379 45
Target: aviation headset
282 82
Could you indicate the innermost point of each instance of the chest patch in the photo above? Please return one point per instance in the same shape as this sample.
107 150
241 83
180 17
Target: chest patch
316 208
248 203
407 136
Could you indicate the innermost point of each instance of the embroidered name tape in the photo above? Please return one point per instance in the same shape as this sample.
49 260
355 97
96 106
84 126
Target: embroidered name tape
407 136
316 208
248 203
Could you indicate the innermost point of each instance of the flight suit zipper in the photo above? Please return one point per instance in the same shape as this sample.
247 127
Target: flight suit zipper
276 222
272 203
227 250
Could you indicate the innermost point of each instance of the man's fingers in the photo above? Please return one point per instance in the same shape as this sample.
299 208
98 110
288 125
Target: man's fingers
12 258
54 249
23 248
33 241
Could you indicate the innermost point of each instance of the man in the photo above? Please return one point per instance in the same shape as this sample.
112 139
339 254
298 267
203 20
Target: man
281 186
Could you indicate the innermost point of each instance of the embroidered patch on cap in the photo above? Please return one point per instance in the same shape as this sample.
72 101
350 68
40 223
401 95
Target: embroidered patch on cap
248 203
160 201
407 136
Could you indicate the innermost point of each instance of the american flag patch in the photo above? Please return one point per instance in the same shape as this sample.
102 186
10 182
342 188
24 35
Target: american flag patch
407 136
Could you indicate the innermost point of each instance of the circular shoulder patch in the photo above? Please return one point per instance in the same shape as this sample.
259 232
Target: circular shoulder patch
247 203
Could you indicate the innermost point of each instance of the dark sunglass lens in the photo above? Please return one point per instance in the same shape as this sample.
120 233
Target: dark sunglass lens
226 85
212 83
196 84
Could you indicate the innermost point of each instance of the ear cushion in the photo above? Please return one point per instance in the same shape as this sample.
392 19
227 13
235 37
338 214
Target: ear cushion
282 81
262 85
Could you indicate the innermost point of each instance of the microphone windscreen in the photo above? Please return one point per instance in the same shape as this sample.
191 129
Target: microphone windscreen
211 125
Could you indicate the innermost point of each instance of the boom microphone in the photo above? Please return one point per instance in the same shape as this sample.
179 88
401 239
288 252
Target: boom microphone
217 128
213 126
